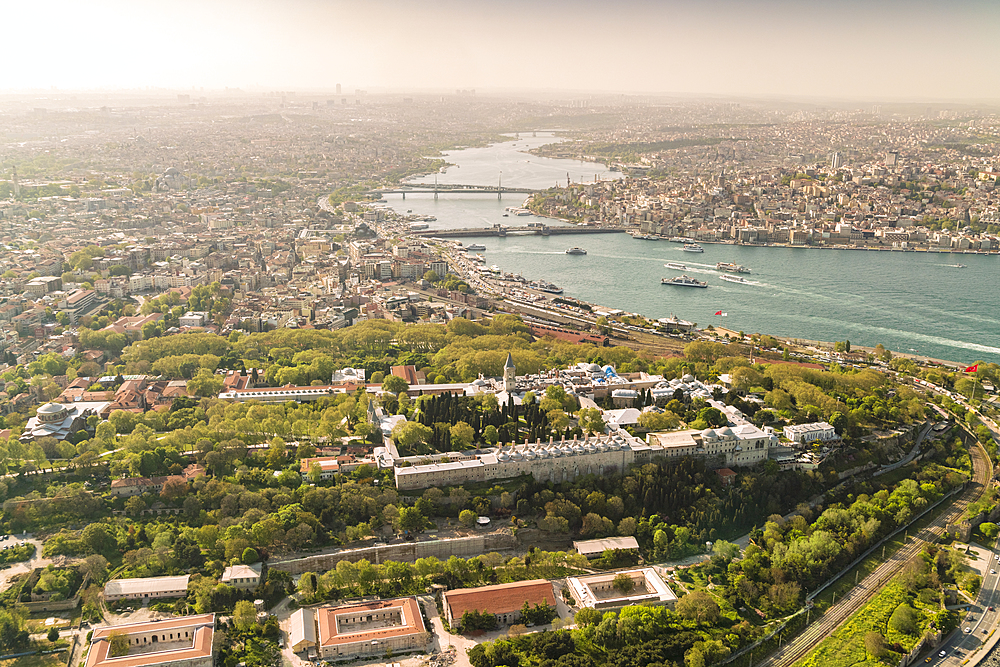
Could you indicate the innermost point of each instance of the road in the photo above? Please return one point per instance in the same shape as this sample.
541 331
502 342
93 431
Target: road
860 594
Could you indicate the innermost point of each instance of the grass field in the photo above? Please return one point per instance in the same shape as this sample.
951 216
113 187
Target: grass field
846 646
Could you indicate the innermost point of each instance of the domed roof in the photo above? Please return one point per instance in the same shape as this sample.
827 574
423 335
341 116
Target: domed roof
594 368
50 409
688 378
515 455
502 456
172 171
708 433
726 432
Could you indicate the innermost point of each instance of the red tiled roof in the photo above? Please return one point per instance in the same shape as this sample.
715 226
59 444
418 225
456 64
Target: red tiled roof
501 598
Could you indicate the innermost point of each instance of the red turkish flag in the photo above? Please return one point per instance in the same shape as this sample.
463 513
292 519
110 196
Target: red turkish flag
719 312
972 369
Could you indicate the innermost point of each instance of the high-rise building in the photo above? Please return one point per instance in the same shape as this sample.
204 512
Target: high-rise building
836 159
891 158
338 89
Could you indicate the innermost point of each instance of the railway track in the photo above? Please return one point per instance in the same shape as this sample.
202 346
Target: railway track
806 640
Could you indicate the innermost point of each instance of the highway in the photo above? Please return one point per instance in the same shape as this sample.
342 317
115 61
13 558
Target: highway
864 591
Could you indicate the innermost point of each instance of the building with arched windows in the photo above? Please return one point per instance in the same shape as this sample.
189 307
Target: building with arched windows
178 642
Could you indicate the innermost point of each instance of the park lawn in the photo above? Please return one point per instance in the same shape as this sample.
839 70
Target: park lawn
846 646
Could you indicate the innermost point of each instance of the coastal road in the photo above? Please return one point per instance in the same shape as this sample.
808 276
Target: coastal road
873 583
977 625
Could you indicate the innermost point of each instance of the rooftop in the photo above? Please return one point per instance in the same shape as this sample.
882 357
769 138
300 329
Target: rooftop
198 645
500 598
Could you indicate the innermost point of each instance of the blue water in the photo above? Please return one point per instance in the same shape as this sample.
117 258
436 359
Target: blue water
909 302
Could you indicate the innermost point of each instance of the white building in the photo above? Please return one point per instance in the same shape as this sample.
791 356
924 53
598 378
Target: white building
598 591
147 588
246 577
803 433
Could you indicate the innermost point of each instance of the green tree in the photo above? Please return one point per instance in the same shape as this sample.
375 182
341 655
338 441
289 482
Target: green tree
623 583
205 383
591 420
462 435
411 519
491 435
118 643
875 645
250 556
244 615
53 634
467 518
395 384
698 606
989 530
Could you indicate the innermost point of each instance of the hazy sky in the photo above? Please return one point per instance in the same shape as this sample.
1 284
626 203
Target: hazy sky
910 49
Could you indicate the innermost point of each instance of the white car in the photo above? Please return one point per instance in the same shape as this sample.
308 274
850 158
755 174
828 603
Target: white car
942 654
968 630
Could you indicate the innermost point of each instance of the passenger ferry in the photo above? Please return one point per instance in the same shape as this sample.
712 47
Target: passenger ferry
475 247
683 281
692 247
732 268
543 286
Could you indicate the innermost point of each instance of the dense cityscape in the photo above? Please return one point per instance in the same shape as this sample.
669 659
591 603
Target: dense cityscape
258 412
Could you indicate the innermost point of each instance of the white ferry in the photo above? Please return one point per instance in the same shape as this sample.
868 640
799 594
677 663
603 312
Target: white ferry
676 266
475 247
732 268
692 247
544 286
576 251
736 279
683 281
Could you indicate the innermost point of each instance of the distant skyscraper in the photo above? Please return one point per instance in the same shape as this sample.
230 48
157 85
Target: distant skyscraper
338 89
836 159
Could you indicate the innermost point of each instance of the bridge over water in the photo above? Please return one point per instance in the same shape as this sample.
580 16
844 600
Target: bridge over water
449 188
502 231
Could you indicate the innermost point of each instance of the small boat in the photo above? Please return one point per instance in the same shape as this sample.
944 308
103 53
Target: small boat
692 247
679 239
960 266
732 268
576 251
683 281
475 247
676 266
736 279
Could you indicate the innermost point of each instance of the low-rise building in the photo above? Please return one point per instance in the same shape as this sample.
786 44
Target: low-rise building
178 642
595 548
502 600
599 591
147 588
245 577
358 630
803 433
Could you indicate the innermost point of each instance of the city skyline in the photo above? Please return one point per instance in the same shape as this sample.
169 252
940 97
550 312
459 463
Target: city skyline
892 51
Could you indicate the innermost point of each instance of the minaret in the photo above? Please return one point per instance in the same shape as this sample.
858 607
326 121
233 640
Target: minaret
17 185
508 375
